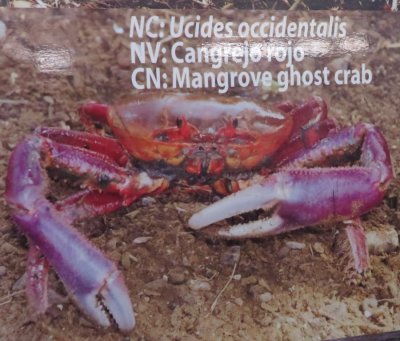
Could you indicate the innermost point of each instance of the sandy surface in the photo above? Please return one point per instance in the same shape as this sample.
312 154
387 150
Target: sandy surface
174 276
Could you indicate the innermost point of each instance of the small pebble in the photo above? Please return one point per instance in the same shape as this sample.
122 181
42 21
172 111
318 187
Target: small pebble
147 201
126 260
20 283
141 240
48 99
197 284
295 245
369 305
154 288
3 270
237 277
238 301
385 240
367 314
177 276
117 28
318 247
266 297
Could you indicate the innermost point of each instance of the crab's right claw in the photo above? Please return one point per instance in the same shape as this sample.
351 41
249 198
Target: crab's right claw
91 279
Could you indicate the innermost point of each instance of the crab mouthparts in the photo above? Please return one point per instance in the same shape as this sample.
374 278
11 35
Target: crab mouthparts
250 199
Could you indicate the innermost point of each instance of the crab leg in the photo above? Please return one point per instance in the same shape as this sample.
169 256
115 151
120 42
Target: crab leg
304 197
311 124
97 143
100 172
358 244
92 280
89 203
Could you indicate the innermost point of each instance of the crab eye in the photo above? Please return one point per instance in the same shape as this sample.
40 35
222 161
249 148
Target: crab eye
104 180
162 137
179 122
235 123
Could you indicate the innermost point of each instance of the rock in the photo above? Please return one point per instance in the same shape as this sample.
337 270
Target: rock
154 288
147 201
177 275
369 306
318 248
381 241
126 260
197 284
141 240
20 282
238 301
266 297
3 270
295 245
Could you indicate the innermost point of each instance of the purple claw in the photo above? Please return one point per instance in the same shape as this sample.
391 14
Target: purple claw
303 197
92 280
298 198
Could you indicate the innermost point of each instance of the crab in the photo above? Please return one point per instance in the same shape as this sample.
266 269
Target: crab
293 161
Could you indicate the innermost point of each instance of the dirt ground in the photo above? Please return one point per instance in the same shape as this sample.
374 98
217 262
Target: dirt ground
185 285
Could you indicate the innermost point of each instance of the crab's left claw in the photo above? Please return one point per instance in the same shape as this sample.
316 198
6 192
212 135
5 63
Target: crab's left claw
294 198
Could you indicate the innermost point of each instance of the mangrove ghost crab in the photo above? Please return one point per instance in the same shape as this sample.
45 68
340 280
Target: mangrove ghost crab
293 162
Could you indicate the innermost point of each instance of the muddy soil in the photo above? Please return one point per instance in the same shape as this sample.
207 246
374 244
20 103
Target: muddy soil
185 285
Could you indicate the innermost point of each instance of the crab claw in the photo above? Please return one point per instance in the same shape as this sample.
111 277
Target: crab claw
298 197
294 199
249 199
91 279
111 302
252 198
